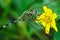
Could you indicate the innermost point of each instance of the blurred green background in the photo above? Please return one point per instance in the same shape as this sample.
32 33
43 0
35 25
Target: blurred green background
21 30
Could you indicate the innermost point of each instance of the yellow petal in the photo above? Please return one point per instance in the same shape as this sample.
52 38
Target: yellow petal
42 15
53 25
43 23
40 18
49 12
47 29
54 16
45 8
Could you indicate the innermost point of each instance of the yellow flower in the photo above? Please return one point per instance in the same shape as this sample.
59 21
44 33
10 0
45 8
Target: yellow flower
47 19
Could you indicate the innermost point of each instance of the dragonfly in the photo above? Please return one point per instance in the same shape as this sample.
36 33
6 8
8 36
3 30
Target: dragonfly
29 12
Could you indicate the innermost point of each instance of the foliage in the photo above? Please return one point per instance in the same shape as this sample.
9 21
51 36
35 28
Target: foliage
26 28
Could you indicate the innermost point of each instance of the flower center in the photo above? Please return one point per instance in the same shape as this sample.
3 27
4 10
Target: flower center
47 19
